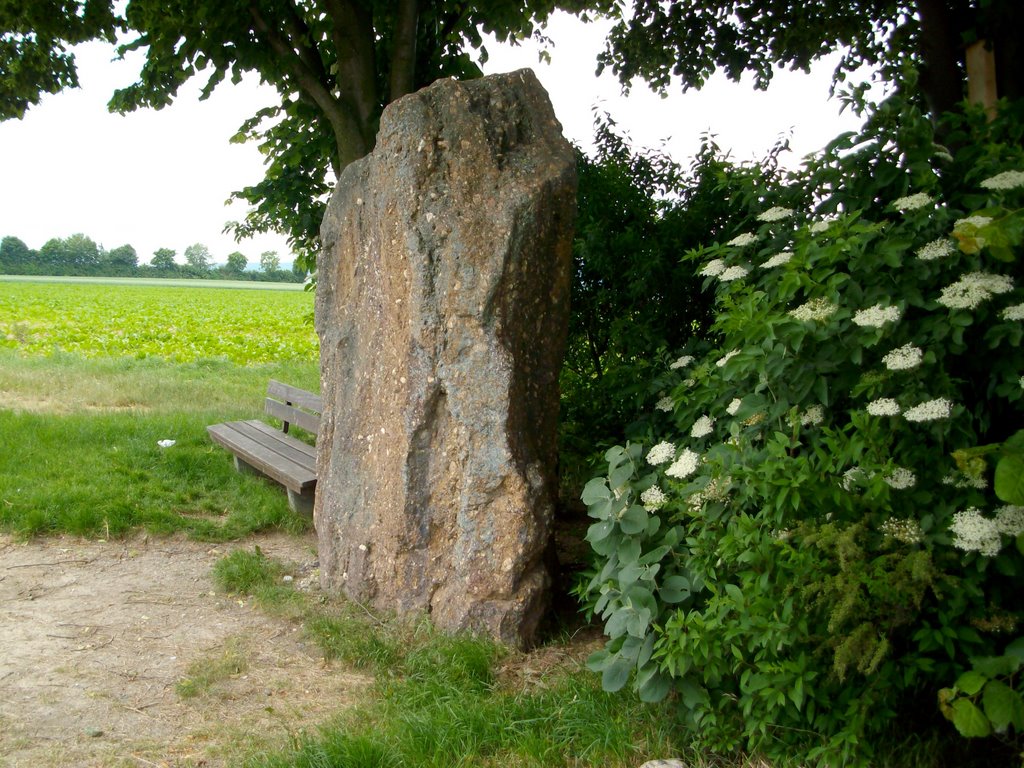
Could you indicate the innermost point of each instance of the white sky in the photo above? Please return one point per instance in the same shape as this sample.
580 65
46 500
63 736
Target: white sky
160 179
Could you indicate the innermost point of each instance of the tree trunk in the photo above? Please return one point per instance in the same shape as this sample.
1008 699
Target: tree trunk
942 72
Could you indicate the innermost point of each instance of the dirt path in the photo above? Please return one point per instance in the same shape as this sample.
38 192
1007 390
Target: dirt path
95 637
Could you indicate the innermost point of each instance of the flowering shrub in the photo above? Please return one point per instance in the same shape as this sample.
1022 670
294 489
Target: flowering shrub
812 545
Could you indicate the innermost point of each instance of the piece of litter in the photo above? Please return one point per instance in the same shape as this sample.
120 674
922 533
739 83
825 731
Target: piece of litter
165 443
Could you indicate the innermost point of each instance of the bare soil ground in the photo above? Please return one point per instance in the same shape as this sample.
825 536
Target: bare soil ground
95 636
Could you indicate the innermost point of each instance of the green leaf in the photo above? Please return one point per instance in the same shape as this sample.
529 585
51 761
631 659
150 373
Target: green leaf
674 589
616 674
630 574
971 682
620 476
969 720
617 625
655 554
598 660
1002 705
1009 480
646 650
595 491
655 687
634 520
734 592
693 695
629 551
992 667
599 531
1016 649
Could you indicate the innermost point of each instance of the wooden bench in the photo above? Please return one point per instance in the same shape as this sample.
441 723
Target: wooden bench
262 449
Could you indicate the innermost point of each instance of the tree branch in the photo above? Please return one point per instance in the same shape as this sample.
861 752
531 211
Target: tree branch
352 31
348 128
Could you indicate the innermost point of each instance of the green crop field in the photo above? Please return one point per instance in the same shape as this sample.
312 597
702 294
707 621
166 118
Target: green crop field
152 319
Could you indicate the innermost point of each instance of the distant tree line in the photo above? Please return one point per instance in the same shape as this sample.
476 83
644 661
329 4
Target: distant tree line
79 255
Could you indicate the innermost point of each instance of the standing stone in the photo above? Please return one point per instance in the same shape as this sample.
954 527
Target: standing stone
442 310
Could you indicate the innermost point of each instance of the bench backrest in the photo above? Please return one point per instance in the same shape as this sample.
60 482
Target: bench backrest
294 406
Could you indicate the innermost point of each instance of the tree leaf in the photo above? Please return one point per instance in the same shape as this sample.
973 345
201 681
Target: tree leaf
1002 705
969 720
1009 479
971 682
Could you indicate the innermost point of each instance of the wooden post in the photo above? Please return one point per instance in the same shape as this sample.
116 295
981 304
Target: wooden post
981 77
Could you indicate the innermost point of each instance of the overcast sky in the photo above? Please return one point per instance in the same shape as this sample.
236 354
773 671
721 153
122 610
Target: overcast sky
160 179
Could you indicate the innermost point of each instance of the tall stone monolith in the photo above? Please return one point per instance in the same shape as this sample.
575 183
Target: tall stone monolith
442 310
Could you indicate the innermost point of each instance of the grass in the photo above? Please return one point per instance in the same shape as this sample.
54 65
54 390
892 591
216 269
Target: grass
204 674
81 451
442 700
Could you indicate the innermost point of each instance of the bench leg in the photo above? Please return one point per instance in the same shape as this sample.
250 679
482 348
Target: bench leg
301 503
246 468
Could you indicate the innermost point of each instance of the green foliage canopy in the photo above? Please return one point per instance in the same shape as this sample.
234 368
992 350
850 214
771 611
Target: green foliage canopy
691 39
34 36
335 64
163 258
236 262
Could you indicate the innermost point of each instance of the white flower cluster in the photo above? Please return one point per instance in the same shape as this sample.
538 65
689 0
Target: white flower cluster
974 533
653 498
778 260
743 240
814 415
971 222
963 480
815 309
733 273
716 490
876 316
682 362
776 214
702 427
685 465
929 410
1016 312
936 249
901 478
970 290
907 531
1005 180
820 226
664 404
912 202
726 358
884 406
713 268
852 477
661 453
734 406
903 358
1010 520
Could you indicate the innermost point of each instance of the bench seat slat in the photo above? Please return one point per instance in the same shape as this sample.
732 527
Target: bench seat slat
286 446
282 458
